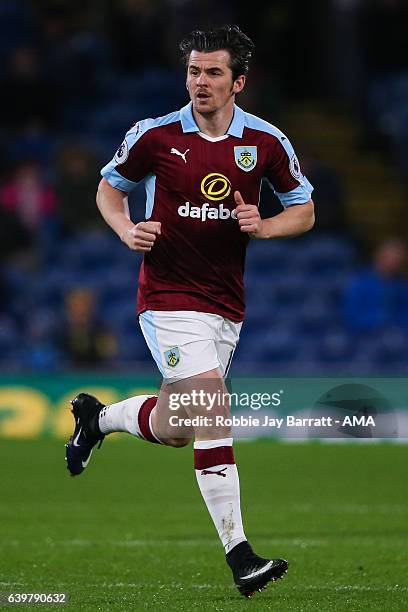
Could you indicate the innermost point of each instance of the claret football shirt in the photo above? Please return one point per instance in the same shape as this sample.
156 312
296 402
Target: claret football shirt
198 261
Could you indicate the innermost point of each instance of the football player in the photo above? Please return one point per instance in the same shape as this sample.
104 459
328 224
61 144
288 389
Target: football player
202 167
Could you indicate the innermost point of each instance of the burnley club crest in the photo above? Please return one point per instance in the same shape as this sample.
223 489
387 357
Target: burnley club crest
245 158
172 356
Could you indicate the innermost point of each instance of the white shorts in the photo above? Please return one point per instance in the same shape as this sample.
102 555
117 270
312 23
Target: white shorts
185 343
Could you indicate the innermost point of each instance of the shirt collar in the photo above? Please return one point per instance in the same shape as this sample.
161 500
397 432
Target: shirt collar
236 127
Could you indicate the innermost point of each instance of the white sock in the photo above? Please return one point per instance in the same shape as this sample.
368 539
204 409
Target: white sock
217 477
132 415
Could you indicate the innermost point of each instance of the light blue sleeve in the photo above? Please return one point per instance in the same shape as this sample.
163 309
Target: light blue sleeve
289 166
299 195
111 172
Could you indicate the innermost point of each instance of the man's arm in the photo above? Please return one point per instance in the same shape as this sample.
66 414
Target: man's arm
114 208
292 221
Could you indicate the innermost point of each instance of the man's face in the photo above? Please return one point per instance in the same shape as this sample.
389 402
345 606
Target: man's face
210 82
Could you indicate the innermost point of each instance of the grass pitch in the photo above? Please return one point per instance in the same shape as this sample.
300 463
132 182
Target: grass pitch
132 532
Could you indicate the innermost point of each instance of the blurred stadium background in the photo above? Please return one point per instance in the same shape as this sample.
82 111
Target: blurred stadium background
332 75
74 76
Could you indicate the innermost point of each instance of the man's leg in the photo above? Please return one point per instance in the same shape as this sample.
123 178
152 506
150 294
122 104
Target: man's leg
138 416
217 477
182 344
154 419
93 421
162 331
214 462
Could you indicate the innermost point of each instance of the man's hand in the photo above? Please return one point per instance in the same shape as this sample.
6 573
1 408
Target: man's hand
248 216
293 221
142 236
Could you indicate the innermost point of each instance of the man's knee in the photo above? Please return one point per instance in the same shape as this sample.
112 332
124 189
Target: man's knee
177 442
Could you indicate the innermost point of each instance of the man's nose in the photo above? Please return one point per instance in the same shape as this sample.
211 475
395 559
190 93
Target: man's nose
202 79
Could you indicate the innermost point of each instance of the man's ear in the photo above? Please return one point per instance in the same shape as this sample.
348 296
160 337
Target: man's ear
239 84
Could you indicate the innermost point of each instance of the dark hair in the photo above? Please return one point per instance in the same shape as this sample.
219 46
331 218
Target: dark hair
228 37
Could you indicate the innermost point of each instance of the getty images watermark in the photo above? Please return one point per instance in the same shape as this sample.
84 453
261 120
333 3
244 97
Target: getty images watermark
296 407
211 400
254 401
208 400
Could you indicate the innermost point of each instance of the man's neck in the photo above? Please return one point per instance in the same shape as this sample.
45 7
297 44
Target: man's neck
215 124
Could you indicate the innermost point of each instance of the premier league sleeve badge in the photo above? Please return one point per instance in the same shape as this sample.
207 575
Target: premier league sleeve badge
122 153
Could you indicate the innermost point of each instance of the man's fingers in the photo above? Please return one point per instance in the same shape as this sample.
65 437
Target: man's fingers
243 208
238 198
247 213
150 227
143 243
142 234
155 226
249 228
247 222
